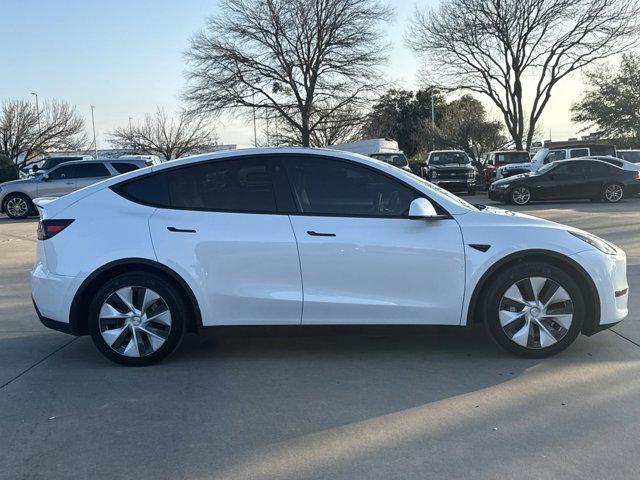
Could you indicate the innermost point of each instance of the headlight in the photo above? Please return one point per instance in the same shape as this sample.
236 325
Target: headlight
597 242
502 186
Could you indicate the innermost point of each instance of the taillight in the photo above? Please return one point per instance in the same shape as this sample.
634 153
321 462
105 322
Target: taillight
637 175
50 228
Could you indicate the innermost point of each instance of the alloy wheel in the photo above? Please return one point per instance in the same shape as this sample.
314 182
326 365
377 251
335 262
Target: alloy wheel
613 193
521 195
17 207
135 321
536 312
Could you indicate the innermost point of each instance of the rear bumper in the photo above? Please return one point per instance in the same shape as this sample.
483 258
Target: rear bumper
52 296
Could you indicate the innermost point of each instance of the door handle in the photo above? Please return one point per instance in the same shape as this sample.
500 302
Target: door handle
318 234
180 230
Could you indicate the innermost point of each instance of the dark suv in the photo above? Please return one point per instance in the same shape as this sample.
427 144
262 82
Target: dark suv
450 169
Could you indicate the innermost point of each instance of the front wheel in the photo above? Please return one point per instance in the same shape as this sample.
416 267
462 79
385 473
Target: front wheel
17 206
137 319
520 195
613 192
534 309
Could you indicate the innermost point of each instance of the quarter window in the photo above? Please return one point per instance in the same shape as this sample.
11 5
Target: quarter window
332 187
124 167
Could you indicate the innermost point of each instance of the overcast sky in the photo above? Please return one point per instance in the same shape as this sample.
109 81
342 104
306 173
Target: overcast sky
126 56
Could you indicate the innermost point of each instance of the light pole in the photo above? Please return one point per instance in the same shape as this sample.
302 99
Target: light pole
37 110
130 127
93 122
255 130
433 110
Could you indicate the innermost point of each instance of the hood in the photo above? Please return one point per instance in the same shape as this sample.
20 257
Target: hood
505 181
20 181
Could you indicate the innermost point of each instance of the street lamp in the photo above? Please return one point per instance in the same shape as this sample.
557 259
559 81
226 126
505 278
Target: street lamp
37 110
93 122
433 110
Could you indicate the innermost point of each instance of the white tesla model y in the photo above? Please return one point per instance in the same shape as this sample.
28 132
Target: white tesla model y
300 237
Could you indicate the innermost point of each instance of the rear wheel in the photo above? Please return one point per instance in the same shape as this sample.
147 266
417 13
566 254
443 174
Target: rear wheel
534 310
520 195
613 192
137 319
18 206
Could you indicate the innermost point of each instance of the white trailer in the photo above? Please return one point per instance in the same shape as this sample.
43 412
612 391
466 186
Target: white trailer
383 149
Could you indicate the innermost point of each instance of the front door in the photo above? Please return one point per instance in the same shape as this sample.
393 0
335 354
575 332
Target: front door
363 260
59 181
223 234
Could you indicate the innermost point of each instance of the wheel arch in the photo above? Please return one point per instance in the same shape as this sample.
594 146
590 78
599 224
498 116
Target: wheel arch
83 296
6 196
578 273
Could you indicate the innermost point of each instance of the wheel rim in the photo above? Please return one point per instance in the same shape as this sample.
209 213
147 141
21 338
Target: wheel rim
17 207
521 195
536 312
135 321
613 193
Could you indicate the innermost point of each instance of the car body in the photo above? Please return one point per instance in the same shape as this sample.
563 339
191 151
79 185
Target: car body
618 162
231 238
566 150
16 197
632 156
450 169
580 178
494 160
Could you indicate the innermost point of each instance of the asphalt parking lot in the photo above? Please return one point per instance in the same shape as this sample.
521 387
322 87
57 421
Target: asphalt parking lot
326 403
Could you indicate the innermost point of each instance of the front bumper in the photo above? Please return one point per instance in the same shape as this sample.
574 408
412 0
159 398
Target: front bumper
454 184
609 275
498 195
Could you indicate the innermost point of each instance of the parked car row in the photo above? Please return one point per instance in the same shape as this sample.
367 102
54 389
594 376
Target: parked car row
60 178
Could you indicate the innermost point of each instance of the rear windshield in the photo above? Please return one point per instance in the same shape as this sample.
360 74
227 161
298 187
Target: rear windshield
512 157
395 159
633 157
443 158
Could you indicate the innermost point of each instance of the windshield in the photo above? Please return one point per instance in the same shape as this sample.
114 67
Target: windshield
444 158
512 157
441 191
395 159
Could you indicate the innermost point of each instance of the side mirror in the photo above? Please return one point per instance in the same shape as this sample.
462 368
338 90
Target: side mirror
45 178
422 208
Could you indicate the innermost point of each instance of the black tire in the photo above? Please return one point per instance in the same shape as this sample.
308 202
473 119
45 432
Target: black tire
516 198
508 277
610 198
169 293
20 198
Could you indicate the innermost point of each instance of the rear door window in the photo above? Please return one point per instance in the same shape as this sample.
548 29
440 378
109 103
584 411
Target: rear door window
91 170
63 172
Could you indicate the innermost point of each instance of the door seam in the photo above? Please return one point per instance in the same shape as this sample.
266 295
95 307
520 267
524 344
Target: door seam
293 230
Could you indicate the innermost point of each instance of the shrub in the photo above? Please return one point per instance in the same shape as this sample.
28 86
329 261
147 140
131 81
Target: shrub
8 169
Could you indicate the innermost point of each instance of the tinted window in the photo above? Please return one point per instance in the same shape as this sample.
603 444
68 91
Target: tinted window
512 157
569 170
578 152
333 187
236 185
91 170
66 171
149 190
631 156
599 169
124 167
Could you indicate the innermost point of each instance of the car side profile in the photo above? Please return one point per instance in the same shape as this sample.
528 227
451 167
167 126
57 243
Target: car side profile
292 236
16 197
584 178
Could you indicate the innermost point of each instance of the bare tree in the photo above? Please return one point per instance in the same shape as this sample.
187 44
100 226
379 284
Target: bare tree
298 60
341 126
26 132
168 137
516 51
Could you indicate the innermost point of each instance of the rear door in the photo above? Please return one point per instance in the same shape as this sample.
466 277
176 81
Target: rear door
363 260
219 228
